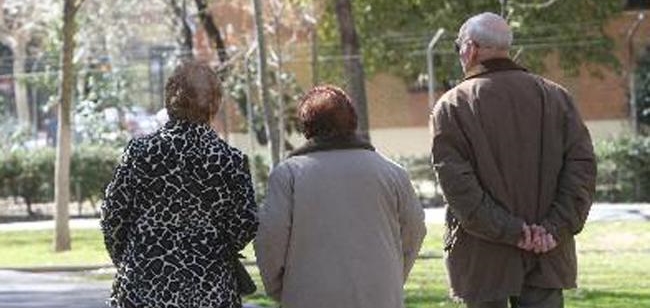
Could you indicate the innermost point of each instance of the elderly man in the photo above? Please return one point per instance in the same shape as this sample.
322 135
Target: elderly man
341 226
517 168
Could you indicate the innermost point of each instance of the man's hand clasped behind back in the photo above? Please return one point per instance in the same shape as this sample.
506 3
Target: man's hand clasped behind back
536 239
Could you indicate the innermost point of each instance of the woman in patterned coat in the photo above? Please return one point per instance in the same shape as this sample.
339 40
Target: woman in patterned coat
180 202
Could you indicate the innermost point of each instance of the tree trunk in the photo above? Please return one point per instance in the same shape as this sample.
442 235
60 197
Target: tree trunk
180 11
279 85
354 73
313 35
28 204
63 149
270 120
20 89
214 35
211 29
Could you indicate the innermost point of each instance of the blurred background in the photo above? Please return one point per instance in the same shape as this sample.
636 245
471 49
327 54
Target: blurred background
394 57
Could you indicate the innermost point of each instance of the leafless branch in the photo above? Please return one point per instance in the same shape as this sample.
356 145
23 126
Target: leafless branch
534 5
77 6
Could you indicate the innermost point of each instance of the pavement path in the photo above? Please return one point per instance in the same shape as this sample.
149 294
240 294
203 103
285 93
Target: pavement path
599 212
51 290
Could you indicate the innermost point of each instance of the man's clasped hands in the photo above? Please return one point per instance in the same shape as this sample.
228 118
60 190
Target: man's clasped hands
535 238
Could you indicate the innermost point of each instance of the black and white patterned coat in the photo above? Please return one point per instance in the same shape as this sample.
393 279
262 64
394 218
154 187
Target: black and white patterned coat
180 200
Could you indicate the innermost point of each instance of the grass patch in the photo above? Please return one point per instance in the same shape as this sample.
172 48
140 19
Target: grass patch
614 260
35 248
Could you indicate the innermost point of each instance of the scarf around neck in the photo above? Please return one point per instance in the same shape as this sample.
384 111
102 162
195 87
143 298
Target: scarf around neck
330 144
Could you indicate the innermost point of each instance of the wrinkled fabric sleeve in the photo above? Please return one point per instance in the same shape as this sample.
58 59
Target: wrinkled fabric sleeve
117 209
576 181
272 239
241 220
412 227
478 213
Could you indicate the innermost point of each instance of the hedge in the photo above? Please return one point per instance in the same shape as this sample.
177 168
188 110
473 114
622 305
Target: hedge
30 173
623 173
623 169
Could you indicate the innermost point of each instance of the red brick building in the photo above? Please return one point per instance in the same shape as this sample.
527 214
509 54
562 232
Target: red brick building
398 117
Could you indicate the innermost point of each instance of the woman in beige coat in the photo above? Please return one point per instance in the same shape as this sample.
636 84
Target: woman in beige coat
341 226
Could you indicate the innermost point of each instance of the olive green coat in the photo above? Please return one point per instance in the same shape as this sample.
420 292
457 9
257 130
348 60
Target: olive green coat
510 147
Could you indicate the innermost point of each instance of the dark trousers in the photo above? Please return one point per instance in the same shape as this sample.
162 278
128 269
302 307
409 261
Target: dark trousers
530 297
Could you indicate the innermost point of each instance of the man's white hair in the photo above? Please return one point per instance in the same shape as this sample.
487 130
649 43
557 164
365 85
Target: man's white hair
488 30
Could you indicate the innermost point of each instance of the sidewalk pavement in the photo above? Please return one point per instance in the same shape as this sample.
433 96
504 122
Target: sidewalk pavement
599 212
52 290
81 223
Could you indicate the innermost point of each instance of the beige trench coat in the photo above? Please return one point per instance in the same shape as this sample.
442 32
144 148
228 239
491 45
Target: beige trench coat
340 228
510 147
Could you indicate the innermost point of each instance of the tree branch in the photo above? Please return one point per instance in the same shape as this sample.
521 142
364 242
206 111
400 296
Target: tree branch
77 6
534 5
180 11
213 32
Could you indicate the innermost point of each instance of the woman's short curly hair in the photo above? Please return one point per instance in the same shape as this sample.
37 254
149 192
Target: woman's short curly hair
193 92
327 112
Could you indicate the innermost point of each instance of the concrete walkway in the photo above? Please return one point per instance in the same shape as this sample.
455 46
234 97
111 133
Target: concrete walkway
85 223
52 290
599 212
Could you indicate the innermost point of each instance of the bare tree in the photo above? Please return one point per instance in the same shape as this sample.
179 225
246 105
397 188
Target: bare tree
20 20
214 34
182 20
63 148
269 114
355 75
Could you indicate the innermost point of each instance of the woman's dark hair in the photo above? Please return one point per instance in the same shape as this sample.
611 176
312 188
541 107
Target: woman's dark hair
193 92
327 112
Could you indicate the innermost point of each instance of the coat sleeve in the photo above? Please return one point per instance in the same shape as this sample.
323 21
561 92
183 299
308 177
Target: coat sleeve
576 181
272 239
241 220
478 213
412 227
117 210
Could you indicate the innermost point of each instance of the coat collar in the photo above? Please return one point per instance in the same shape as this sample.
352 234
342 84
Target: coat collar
492 65
187 128
330 144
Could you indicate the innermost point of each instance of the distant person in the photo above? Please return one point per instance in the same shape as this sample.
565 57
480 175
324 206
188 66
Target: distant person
341 226
517 168
180 203
51 126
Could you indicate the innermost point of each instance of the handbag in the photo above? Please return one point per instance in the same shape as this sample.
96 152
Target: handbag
245 284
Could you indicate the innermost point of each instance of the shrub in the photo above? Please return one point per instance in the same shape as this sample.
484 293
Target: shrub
260 174
30 173
623 169
424 179
91 169
419 169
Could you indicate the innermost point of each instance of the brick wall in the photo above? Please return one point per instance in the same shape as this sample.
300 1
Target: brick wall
392 105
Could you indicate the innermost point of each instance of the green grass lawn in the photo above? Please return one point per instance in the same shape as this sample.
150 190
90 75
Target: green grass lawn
614 261
34 248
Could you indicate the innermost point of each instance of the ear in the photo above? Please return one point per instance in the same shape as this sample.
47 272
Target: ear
473 53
